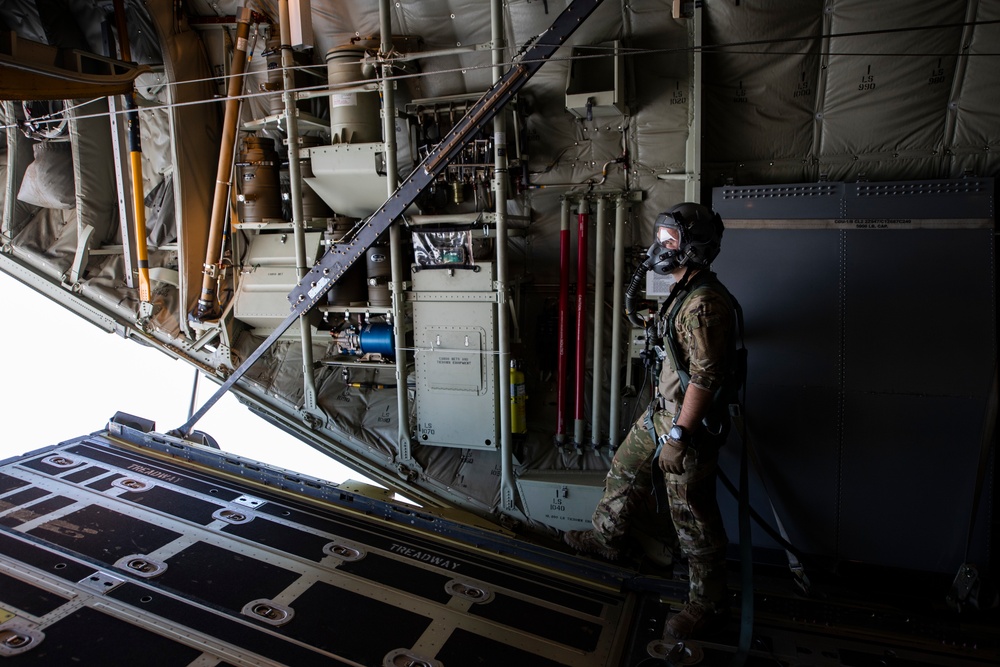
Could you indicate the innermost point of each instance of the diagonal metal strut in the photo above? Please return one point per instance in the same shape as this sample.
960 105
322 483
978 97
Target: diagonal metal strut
339 258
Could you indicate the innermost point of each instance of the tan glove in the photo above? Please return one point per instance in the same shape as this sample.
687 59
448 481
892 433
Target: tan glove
672 456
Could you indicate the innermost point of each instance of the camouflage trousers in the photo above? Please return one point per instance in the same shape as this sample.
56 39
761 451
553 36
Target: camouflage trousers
695 522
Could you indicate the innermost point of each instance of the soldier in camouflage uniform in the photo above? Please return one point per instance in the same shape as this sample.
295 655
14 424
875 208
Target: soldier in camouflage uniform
688 424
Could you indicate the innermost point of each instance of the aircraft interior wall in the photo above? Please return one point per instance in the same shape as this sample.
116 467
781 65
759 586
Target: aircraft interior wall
858 350
864 343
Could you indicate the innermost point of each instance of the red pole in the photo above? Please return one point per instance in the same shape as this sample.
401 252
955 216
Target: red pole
562 361
581 319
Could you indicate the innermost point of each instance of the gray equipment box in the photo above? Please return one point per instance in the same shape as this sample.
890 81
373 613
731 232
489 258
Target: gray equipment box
561 499
262 296
454 332
595 87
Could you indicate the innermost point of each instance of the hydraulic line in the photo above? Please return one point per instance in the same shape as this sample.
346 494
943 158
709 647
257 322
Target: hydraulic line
135 160
599 267
208 301
582 220
616 320
590 183
562 333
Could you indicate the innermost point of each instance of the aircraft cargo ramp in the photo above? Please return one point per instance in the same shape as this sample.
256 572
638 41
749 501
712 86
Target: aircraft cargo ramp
127 547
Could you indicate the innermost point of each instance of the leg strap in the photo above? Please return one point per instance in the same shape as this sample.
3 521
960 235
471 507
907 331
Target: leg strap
659 482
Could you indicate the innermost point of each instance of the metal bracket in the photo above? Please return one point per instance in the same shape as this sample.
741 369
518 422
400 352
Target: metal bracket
82 256
249 501
145 312
101 583
508 497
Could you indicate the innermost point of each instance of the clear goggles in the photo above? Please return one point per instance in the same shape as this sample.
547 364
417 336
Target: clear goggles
665 234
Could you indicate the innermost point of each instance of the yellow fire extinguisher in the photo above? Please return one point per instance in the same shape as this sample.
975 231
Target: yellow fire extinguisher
518 399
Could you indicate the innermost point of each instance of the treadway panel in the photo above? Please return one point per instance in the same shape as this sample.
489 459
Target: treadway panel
121 544
109 553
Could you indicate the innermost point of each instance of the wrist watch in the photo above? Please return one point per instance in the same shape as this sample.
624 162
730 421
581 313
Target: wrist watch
678 433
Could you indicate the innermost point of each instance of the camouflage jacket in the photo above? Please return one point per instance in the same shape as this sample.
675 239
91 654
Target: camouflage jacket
705 334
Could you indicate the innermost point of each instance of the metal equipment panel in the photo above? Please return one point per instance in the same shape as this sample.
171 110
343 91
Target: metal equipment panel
907 306
779 202
915 521
563 499
946 199
454 331
966 202
792 335
905 310
261 300
876 328
350 178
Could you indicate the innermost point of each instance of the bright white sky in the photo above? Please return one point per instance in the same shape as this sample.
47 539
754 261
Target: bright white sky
63 377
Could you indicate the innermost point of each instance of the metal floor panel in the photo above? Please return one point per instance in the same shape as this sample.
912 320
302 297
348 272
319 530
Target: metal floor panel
220 571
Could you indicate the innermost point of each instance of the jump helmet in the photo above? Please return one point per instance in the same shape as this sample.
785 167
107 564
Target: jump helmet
700 238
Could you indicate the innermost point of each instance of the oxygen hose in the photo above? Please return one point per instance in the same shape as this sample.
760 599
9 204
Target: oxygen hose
632 292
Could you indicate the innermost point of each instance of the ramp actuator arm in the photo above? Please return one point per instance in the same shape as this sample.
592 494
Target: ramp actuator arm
339 258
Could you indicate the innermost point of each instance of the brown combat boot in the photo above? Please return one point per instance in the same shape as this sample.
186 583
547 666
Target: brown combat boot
696 619
587 541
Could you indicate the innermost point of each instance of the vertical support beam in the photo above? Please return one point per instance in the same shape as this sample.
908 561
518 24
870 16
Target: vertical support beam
821 81
126 219
599 266
692 185
395 242
309 407
137 214
618 308
507 488
961 64
9 192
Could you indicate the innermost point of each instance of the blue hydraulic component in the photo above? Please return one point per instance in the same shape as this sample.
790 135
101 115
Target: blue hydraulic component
374 338
377 338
